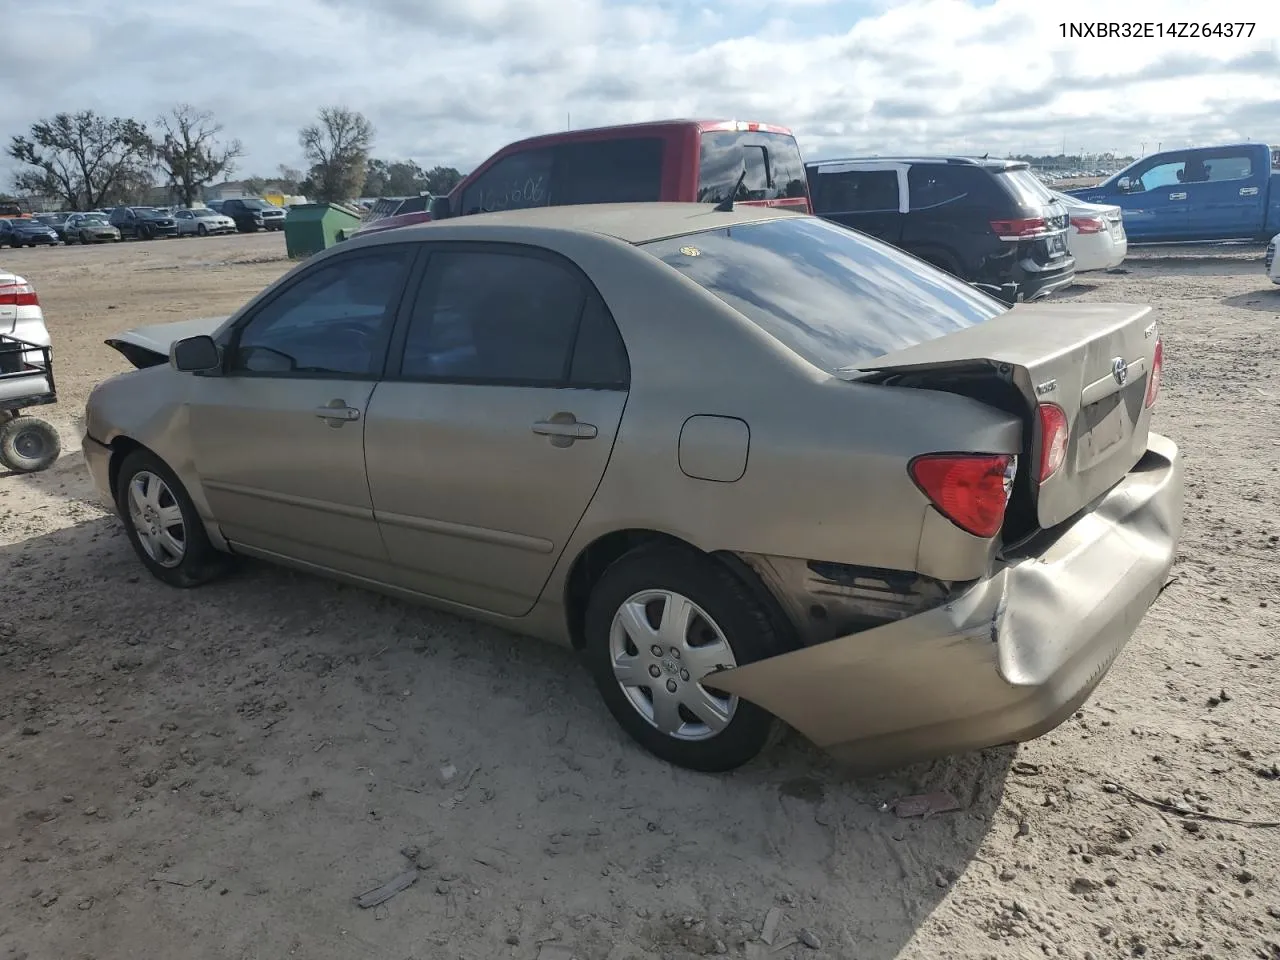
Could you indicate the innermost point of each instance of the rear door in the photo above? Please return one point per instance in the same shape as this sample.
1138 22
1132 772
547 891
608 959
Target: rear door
278 437
867 197
493 428
1226 195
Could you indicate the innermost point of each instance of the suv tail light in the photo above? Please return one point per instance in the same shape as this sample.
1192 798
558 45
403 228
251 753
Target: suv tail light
1021 229
1054 434
1089 224
1157 369
18 295
969 489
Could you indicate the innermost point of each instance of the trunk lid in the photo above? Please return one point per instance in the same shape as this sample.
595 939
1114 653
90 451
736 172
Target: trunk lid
1092 360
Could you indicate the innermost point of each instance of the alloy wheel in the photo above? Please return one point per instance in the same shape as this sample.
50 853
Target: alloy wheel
157 519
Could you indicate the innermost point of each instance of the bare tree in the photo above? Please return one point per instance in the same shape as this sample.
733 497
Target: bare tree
189 152
338 149
81 158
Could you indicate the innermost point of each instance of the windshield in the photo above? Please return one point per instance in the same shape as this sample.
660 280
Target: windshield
257 204
834 296
206 213
95 218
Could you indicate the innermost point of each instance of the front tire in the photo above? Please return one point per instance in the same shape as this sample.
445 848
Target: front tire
659 624
28 444
163 525
202 230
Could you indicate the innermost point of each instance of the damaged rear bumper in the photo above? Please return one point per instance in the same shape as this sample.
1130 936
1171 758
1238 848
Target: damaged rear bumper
1007 660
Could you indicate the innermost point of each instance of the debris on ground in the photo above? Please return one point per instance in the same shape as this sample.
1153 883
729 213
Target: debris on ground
923 804
388 890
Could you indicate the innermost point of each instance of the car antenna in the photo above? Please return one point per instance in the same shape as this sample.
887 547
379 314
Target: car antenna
726 205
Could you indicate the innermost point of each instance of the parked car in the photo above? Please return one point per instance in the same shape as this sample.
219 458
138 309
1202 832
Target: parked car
985 221
89 228
1201 193
1097 239
202 222
251 214
54 220
677 160
1270 263
751 463
400 213
26 232
27 443
143 223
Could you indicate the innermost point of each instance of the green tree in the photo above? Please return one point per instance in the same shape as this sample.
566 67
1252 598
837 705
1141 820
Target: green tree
83 159
338 149
189 153
440 180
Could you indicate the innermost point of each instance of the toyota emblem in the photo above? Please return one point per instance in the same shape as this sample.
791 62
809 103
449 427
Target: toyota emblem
1120 370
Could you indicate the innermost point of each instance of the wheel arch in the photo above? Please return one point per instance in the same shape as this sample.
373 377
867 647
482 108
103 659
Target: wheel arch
597 556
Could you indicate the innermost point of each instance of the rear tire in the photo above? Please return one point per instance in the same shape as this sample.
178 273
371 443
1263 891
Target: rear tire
28 444
668 704
163 524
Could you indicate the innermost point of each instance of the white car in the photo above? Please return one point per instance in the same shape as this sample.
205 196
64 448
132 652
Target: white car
202 222
1270 262
1097 239
26 378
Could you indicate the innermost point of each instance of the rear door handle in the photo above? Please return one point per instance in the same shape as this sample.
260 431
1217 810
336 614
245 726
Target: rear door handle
337 412
1177 196
1248 191
565 427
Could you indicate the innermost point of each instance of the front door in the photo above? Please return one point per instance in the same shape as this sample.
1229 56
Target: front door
487 439
867 198
1154 200
278 436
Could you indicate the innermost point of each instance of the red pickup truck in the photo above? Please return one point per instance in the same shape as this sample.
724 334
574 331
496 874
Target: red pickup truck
692 161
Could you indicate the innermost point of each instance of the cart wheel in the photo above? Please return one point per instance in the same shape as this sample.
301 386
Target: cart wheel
28 444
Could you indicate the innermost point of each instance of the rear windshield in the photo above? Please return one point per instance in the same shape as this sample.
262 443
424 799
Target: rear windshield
834 296
1024 185
772 162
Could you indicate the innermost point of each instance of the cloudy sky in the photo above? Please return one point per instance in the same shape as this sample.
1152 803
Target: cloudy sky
449 81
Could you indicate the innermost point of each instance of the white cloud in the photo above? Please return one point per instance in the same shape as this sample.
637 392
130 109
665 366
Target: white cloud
449 82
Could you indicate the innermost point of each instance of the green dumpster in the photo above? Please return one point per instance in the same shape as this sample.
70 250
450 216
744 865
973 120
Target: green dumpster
312 227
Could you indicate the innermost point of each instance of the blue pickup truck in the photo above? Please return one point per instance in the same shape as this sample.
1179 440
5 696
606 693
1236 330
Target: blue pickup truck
1199 193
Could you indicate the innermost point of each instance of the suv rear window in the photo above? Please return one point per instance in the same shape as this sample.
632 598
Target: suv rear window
775 169
1025 187
832 295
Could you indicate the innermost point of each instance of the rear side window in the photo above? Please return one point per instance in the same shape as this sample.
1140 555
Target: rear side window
626 170
832 295
856 191
932 185
772 163
1213 169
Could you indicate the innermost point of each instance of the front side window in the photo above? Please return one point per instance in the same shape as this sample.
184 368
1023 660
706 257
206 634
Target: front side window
1166 174
834 296
334 321
494 317
517 181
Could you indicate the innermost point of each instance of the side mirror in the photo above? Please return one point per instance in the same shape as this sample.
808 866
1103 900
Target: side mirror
1125 185
440 209
195 354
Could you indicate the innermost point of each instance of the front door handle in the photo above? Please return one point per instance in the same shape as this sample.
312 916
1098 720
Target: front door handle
1248 191
337 413
564 429
1177 196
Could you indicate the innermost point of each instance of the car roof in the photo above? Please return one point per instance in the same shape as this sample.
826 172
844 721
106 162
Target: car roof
629 222
989 163
636 129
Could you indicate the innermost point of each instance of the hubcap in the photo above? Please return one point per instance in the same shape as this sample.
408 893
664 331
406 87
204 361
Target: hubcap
29 444
157 519
663 647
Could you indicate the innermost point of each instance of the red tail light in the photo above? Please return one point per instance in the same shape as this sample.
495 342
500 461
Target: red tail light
1089 224
18 295
969 489
1020 229
1157 369
1054 434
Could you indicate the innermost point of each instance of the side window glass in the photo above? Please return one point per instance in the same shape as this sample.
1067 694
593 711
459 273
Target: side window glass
870 191
932 185
1164 175
493 317
599 356
626 170
1215 169
333 321
513 183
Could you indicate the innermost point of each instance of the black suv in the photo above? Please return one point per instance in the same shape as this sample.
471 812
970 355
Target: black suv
252 214
143 223
986 221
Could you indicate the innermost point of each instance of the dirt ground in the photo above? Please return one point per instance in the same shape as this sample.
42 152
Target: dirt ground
217 773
